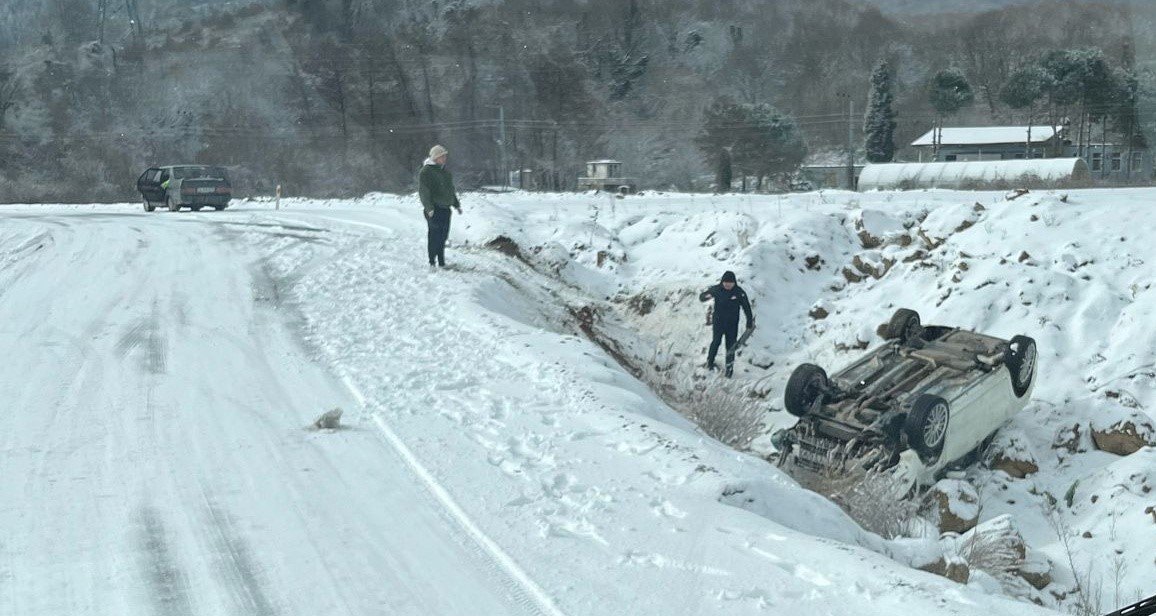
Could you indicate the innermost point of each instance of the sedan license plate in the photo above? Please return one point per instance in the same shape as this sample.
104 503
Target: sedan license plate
206 190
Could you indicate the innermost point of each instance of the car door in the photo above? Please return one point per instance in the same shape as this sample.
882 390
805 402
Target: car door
977 411
149 185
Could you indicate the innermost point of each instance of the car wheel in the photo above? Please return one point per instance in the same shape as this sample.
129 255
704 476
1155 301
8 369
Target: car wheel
904 326
218 207
926 426
173 206
148 207
1020 358
195 208
805 386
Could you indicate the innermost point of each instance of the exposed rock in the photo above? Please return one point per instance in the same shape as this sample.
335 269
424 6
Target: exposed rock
1024 256
955 571
1014 468
1039 581
957 505
641 305
931 244
869 241
818 313
505 246
330 420
918 255
851 276
1122 439
814 262
965 225
1010 454
871 269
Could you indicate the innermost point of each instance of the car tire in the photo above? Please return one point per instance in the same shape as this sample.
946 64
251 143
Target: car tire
149 207
195 208
904 326
173 206
926 426
218 207
805 386
1020 358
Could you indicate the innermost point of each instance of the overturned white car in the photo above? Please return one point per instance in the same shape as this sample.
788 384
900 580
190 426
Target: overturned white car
932 397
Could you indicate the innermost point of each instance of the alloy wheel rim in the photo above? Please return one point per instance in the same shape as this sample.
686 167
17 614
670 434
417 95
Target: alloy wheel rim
936 427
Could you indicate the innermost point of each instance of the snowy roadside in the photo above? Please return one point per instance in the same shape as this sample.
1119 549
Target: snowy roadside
593 487
823 269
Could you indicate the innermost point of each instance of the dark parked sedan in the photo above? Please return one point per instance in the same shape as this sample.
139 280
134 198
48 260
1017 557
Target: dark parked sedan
191 186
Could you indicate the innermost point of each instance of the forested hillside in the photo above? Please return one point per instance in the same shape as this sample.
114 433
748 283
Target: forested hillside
340 97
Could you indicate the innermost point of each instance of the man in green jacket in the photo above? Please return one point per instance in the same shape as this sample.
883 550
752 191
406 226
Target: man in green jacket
436 189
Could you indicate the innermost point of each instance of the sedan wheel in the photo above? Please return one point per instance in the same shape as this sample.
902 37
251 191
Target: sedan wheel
805 386
1021 362
926 426
904 326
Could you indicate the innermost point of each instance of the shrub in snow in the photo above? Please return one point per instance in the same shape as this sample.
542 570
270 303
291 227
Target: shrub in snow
878 502
722 410
1073 439
996 547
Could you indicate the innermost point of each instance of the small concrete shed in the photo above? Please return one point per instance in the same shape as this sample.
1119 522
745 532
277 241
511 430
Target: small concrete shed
1015 173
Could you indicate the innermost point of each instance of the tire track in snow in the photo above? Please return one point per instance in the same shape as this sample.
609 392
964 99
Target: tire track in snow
167 582
236 566
522 587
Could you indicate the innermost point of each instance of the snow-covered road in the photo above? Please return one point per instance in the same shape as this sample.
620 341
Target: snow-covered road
155 456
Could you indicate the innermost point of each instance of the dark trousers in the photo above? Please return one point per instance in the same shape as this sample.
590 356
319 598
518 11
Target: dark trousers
730 331
439 231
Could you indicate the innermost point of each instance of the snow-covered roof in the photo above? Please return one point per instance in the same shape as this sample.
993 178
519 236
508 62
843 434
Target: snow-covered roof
956 174
987 135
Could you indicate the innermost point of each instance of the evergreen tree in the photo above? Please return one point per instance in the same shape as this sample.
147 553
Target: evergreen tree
1025 87
949 92
723 125
879 123
757 140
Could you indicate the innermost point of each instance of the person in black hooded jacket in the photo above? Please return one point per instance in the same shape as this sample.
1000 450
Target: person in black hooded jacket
436 191
728 298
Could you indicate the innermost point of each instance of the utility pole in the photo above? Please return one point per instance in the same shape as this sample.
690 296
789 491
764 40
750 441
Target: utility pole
850 143
502 143
850 139
102 8
502 170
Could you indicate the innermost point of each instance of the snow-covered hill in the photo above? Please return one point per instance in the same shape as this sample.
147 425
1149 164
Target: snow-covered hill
563 475
824 269
1067 269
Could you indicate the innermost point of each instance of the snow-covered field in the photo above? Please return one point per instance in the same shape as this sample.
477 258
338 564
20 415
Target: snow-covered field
164 370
